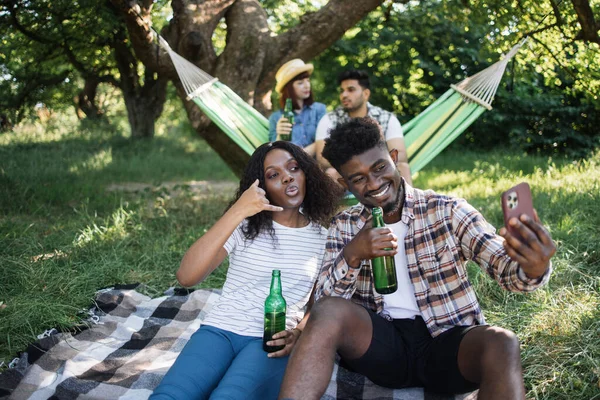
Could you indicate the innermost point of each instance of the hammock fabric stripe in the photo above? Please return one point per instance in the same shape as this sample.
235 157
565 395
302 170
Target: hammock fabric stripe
435 128
241 122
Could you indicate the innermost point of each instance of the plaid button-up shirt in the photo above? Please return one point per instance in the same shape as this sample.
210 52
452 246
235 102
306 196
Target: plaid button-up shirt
443 234
339 116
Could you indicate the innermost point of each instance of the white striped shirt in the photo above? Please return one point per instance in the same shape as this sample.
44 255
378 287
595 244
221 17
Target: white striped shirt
296 252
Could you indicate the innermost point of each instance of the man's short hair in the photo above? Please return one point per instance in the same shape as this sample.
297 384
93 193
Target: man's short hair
351 139
361 76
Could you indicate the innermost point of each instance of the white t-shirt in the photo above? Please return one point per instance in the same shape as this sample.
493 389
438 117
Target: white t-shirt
297 253
401 303
394 129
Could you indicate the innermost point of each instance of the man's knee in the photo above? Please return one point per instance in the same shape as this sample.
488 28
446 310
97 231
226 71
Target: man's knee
331 307
501 344
331 313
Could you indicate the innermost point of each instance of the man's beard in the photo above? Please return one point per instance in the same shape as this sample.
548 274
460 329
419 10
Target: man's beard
354 108
395 206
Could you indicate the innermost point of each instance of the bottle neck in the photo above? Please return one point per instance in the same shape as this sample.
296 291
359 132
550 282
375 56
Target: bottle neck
276 284
378 220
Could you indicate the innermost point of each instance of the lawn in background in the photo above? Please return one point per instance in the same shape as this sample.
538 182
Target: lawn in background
65 231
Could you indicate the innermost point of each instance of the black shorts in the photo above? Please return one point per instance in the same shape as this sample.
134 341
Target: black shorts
403 354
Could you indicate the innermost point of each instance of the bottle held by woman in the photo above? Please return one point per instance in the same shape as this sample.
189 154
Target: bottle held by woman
288 114
275 308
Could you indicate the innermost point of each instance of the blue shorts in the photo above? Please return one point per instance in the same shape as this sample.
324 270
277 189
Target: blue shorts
219 364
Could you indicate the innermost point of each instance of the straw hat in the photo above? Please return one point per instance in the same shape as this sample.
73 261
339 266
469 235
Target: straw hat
290 70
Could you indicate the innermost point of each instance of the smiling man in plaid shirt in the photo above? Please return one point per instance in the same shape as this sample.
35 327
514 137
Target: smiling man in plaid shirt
431 331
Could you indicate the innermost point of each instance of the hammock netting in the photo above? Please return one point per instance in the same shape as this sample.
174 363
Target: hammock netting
425 136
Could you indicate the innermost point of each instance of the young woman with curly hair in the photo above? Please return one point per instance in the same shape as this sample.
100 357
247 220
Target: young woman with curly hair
274 222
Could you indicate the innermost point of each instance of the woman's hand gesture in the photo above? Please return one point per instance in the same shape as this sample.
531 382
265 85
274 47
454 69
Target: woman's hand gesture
254 200
283 127
284 338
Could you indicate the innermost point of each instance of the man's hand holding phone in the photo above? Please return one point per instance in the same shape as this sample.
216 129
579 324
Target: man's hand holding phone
526 240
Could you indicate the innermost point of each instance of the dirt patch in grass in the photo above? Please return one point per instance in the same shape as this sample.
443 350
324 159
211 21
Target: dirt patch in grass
196 188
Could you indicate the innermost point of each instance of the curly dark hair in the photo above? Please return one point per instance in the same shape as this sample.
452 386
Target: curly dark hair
322 193
361 76
350 139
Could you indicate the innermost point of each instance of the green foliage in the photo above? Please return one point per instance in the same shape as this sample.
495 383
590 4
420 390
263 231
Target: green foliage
546 103
549 123
48 49
284 14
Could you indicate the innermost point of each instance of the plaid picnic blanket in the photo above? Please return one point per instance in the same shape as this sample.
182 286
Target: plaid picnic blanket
131 343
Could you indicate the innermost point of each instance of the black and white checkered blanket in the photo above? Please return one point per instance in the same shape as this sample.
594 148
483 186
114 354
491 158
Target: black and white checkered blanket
130 345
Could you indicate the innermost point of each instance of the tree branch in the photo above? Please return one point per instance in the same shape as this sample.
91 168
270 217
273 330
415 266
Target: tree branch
195 23
585 15
542 29
79 66
32 85
556 11
138 23
26 32
316 32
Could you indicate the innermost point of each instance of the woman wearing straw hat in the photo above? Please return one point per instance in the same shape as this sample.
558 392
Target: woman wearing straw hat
293 82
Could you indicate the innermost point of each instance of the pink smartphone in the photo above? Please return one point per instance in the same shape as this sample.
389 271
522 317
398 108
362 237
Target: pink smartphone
516 201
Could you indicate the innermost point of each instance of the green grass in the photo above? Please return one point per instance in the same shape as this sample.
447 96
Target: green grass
63 235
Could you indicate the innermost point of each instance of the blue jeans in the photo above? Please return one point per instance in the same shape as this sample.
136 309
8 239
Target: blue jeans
219 364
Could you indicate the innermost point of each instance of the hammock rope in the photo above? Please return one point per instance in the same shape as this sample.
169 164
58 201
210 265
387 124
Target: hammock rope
241 122
444 120
481 87
426 135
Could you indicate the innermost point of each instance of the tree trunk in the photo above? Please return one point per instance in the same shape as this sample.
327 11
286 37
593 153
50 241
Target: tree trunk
145 105
139 114
252 54
144 101
86 100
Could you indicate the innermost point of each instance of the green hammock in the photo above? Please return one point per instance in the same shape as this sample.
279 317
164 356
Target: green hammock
425 136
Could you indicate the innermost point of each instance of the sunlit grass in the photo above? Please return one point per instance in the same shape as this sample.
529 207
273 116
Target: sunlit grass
63 235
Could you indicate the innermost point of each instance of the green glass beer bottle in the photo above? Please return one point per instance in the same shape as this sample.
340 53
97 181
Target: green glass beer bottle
275 308
288 113
384 268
